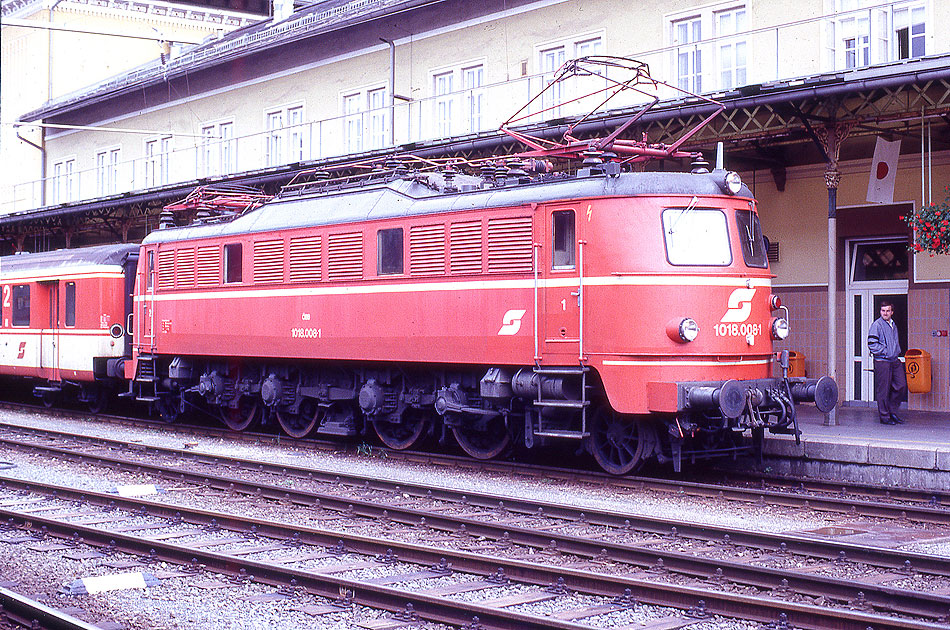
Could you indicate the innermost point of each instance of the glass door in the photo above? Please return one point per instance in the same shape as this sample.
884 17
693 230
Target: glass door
877 271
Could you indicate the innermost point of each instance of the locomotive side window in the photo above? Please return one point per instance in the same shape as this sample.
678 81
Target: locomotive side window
696 236
389 258
21 305
563 241
150 269
233 263
750 236
69 297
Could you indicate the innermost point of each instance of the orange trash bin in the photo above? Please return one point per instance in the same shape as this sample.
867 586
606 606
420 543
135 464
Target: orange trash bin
796 363
917 366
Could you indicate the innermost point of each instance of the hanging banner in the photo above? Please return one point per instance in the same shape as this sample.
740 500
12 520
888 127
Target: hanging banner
883 171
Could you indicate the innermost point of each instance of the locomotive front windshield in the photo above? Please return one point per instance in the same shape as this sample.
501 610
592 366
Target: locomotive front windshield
696 236
750 236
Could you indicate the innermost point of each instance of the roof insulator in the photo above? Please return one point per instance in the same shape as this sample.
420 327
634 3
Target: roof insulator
699 166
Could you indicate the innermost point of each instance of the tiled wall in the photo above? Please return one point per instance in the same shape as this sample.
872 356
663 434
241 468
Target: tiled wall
808 320
929 310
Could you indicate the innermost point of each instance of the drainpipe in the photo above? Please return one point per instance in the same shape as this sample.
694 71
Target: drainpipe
41 147
392 90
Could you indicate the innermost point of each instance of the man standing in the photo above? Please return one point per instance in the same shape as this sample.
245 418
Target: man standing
890 381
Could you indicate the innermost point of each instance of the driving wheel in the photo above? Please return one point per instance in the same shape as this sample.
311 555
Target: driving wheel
482 439
300 424
404 433
247 414
620 443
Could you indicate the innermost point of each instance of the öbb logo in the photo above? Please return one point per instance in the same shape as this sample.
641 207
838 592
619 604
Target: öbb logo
739 306
511 322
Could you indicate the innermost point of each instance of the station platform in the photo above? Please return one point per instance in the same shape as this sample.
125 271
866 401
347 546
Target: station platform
861 449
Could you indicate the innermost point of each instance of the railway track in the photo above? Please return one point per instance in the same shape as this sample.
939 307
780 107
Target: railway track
852 499
639 547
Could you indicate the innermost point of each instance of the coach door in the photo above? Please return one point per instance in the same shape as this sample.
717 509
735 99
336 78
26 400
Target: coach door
561 329
50 332
877 272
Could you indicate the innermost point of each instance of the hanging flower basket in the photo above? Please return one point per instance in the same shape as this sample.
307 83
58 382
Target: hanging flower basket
931 226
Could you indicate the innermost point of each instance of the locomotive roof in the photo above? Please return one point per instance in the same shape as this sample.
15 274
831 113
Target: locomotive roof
411 197
66 259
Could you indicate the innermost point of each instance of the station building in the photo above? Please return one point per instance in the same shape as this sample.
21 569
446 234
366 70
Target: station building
810 90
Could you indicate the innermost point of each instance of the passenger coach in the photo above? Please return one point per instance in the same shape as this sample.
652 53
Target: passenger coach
63 319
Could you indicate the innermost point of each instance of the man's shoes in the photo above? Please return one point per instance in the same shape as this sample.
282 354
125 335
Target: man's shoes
895 419
888 421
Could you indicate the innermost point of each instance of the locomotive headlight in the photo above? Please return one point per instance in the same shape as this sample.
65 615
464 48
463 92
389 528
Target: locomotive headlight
779 328
682 330
733 182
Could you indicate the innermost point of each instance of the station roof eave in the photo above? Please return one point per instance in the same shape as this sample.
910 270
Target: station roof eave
881 98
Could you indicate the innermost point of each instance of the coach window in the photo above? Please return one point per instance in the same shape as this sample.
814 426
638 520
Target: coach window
233 262
70 299
389 251
21 305
563 226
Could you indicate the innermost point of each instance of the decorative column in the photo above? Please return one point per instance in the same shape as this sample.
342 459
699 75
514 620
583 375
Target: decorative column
831 136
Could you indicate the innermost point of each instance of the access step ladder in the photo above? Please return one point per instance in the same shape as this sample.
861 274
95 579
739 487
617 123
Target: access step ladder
582 404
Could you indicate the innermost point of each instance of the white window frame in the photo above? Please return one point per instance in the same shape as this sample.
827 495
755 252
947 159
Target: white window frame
459 98
732 48
157 157
707 52
107 171
443 101
861 33
366 118
287 136
217 153
549 56
64 184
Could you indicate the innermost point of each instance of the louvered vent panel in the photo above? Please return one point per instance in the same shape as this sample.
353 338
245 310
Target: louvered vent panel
166 269
345 256
465 243
305 259
510 245
427 250
268 261
207 266
185 268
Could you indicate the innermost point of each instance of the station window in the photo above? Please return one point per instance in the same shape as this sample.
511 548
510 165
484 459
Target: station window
21 305
389 257
563 245
70 304
233 262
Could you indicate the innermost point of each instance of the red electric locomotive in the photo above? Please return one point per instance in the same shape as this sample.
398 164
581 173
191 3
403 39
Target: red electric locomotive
62 320
629 311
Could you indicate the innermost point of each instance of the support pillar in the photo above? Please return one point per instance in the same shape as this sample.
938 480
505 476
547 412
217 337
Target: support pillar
831 136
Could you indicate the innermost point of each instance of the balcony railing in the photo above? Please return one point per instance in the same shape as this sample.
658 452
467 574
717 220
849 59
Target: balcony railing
775 53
